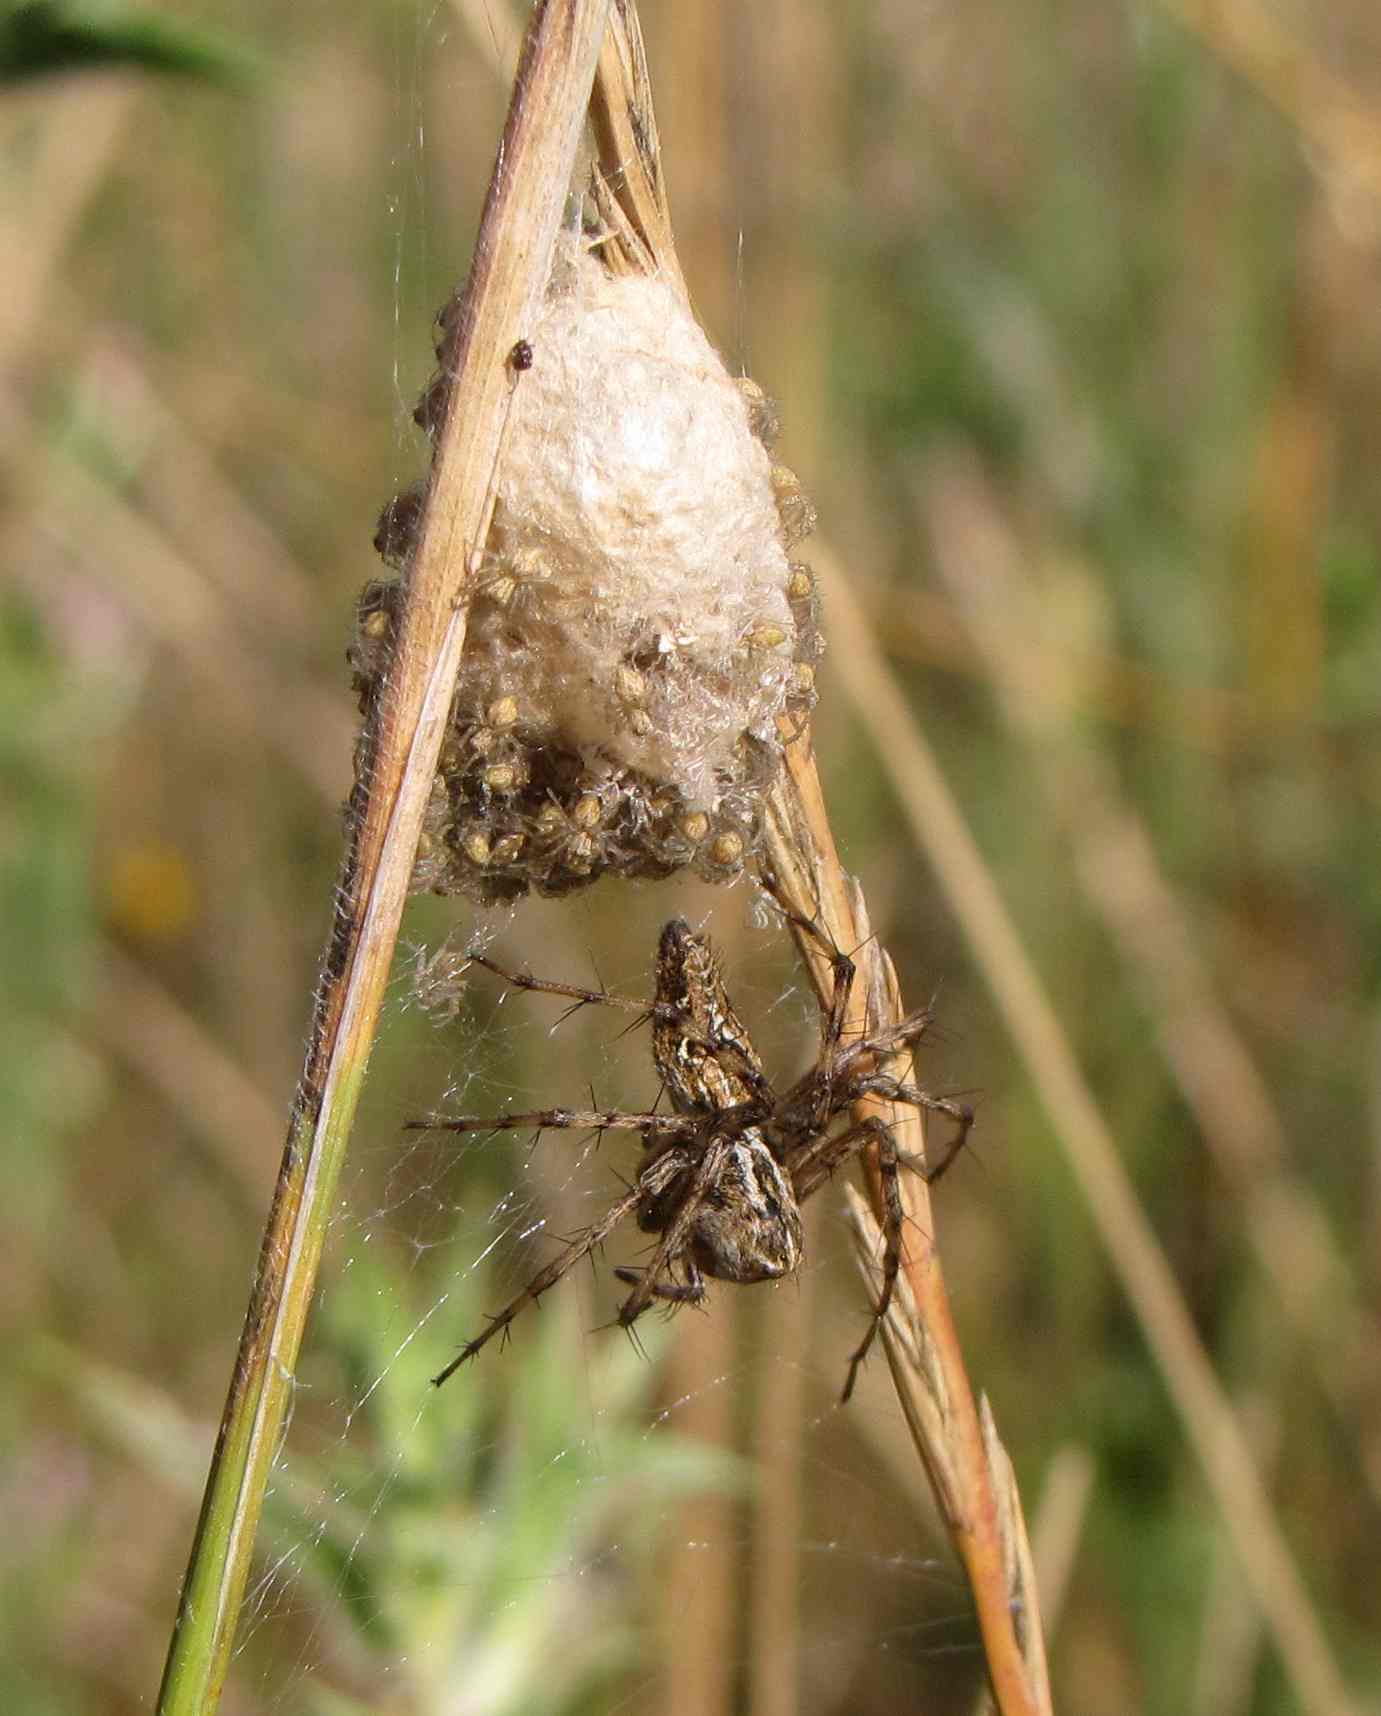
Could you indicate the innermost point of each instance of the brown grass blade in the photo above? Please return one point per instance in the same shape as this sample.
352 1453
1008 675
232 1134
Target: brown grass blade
508 276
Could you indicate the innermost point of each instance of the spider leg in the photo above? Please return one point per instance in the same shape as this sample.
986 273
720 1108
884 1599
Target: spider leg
676 1232
545 1278
544 986
959 1112
893 1219
814 1164
577 1119
837 1079
669 1015
905 1033
843 973
691 1292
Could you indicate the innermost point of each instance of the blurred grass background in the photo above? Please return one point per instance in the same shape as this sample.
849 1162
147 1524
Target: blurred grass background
1074 315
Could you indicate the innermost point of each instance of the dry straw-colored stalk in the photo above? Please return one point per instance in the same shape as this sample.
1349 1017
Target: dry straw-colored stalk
972 1479
954 1433
508 276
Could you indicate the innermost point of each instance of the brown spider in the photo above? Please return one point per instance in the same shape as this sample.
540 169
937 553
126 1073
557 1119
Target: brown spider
724 1176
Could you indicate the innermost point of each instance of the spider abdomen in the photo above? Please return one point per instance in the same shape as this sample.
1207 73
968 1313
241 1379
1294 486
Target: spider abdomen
749 1227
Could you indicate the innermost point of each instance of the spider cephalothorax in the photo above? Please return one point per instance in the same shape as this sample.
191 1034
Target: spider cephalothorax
723 1177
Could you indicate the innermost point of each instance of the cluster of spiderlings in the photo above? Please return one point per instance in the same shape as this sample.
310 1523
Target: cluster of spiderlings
637 628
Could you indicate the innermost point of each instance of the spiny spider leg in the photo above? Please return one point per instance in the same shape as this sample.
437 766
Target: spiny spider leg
572 1119
582 996
892 1090
843 1062
545 1278
816 1159
894 1214
692 1015
825 1154
673 1242
889 1040
843 973
691 1292
813 1165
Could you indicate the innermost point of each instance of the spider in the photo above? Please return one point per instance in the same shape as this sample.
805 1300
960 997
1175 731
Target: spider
723 1177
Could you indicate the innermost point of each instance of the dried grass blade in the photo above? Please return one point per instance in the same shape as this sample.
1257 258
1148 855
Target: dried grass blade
507 278
943 1416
